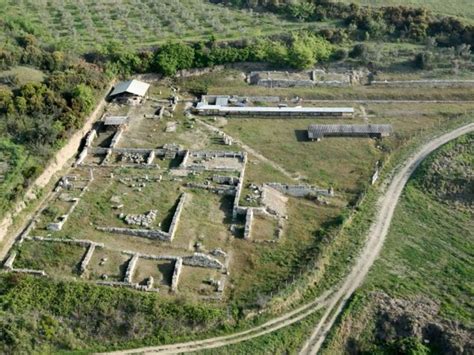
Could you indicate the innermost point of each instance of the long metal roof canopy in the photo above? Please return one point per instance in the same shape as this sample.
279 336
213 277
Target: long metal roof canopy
316 130
280 110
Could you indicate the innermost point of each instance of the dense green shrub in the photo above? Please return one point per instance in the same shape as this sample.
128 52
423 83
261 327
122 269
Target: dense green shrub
172 57
424 60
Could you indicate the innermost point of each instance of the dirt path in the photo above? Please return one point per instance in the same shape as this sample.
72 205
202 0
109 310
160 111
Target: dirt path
294 177
211 343
378 231
364 113
331 301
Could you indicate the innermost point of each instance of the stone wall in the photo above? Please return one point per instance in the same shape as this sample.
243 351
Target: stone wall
30 271
227 180
184 162
202 260
81 242
217 154
178 266
9 262
176 216
224 190
87 257
82 156
131 268
150 158
57 226
107 156
185 73
151 257
374 177
248 223
151 233
300 190
144 233
236 210
88 143
313 78
90 138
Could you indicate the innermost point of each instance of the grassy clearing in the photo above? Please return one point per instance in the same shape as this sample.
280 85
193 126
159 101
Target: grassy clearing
196 281
206 219
114 267
284 141
57 259
161 271
427 252
271 265
22 75
264 228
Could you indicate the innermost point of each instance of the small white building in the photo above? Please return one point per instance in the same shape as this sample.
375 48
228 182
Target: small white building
131 92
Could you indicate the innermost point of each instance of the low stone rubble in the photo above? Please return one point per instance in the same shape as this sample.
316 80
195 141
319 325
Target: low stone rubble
134 158
142 220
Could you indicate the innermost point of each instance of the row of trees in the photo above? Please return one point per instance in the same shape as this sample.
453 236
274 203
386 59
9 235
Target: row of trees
302 50
371 22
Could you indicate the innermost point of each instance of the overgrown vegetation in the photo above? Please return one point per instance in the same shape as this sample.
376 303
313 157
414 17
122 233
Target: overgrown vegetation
77 315
36 117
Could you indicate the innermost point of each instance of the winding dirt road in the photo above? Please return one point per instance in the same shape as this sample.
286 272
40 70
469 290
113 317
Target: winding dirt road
332 302
378 231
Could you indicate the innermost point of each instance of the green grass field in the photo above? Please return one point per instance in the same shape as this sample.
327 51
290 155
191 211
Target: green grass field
459 8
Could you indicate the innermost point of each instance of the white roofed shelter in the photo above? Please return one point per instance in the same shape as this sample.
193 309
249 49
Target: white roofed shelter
131 91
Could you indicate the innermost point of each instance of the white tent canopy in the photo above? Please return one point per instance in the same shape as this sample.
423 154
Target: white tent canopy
134 87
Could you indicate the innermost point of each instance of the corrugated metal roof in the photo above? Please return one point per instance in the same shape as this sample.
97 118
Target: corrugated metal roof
279 110
134 87
317 130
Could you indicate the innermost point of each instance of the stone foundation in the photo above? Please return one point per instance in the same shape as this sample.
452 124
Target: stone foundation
248 223
178 266
300 190
176 216
131 268
87 257
9 262
144 233
202 260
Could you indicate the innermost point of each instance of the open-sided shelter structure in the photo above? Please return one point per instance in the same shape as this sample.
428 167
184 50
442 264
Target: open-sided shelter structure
131 91
318 131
